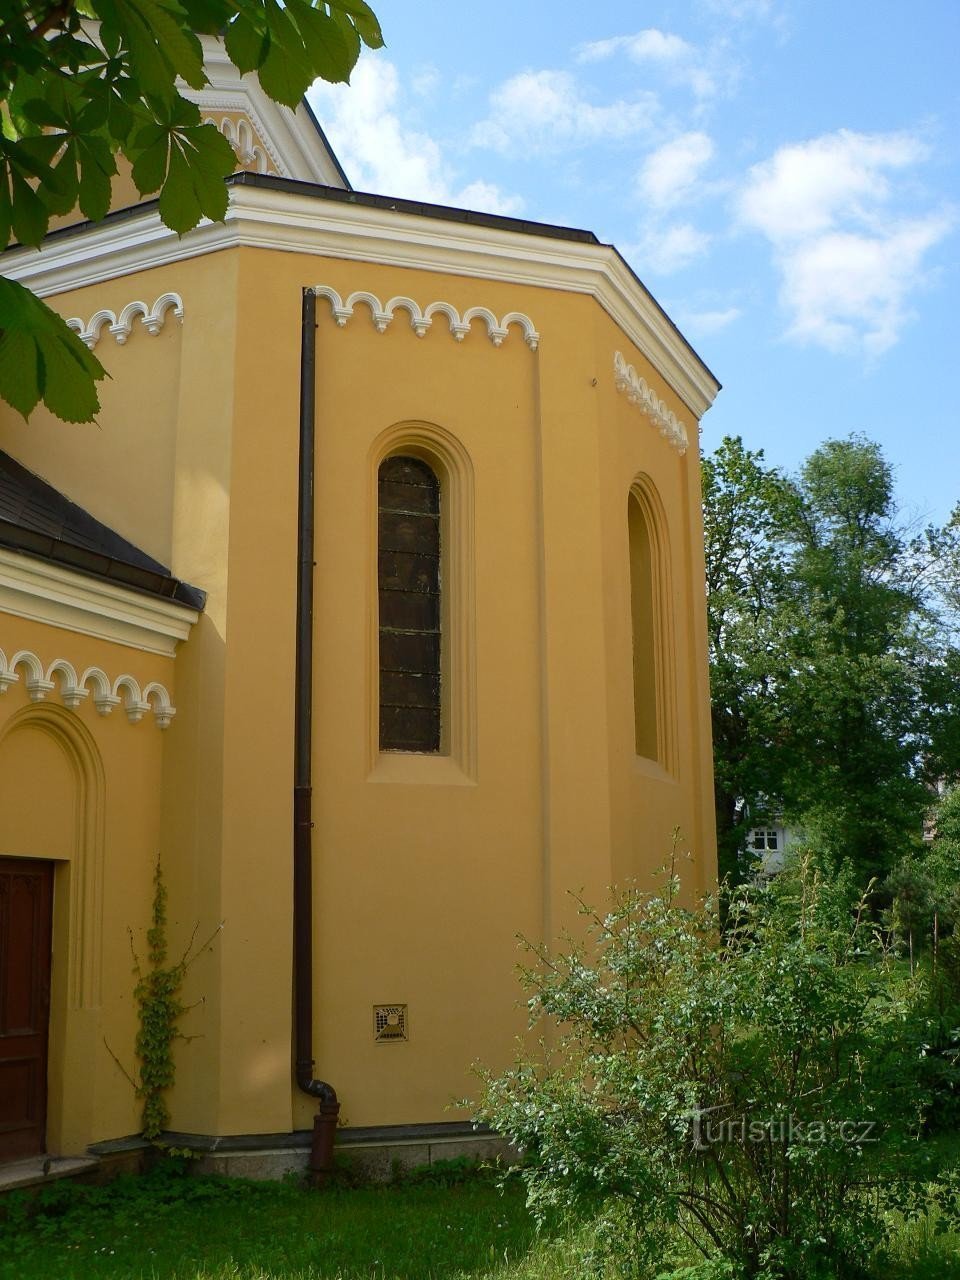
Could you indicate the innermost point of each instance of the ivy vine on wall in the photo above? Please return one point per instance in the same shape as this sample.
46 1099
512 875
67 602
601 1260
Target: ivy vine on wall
158 993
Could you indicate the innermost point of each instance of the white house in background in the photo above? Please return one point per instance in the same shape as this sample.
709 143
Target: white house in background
766 845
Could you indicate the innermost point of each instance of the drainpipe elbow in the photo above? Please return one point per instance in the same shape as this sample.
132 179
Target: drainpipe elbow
319 1089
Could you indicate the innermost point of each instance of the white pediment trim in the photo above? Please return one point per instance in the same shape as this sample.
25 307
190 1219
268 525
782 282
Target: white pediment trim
44 592
291 138
267 218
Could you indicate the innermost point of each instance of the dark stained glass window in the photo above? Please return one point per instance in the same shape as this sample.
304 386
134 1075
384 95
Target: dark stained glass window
409 595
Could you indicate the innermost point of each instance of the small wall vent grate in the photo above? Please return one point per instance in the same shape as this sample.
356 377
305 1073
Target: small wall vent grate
389 1022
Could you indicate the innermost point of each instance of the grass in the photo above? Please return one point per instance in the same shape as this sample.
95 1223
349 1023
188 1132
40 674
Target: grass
918 1252
167 1226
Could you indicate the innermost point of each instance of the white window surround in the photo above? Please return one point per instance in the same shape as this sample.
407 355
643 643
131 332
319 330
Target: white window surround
270 218
44 592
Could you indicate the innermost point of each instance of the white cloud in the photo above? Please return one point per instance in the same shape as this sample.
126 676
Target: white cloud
650 45
670 172
700 323
544 111
488 197
681 62
740 10
425 81
381 154
847 255
811 186
664 250
845 290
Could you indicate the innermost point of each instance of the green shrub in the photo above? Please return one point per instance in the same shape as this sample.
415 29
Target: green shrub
755 1093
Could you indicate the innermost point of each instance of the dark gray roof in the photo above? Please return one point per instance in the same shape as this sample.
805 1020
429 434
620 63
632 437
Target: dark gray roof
397 204
37 519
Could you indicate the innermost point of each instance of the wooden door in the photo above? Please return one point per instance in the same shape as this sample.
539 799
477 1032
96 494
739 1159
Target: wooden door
26 902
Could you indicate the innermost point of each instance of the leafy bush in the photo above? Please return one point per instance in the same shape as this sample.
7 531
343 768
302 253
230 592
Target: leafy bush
756 1093
923 919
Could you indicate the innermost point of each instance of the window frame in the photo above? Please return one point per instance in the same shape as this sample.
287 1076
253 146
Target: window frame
661 603
431 670
456 761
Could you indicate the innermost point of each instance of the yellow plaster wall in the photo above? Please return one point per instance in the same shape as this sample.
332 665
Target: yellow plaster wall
84 791
650 804
123 194
425 869
120 467
156 467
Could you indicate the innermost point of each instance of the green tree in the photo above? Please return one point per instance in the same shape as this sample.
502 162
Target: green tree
872 696
752 1097
746 564
835 676
924 921
83 81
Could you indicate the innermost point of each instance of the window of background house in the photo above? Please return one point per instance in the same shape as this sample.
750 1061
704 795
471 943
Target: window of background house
764 839
408 566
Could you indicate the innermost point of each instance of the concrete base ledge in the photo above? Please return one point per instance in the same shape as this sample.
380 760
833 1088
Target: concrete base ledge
377 1161
37 1171
369 1153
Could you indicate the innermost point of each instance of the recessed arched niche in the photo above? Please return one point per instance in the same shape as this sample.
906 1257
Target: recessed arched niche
654 682
51 807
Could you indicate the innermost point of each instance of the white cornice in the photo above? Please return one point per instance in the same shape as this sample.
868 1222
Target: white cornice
44 592
263 217
61 675
658 414
120 327
421 318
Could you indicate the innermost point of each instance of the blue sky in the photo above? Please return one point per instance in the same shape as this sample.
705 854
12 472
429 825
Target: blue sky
782 174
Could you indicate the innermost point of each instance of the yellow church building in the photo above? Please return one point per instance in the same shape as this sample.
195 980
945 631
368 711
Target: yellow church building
373 607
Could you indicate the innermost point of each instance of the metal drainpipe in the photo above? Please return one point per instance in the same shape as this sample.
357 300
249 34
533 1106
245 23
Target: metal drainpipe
325 1122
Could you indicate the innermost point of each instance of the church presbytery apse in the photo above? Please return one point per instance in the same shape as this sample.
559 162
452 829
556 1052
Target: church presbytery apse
372 605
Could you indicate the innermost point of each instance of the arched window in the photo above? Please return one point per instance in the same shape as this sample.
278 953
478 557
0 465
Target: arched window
408 569
645 710
654 709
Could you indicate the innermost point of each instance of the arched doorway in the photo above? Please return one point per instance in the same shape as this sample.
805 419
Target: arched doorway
26 920
51 854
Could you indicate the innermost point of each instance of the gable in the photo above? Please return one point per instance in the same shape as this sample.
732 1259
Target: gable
267 137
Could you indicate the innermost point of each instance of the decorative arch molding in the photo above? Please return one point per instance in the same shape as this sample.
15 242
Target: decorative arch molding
653 513
62 676
421 319
152 319
451 462
85 927
659 414
244 139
